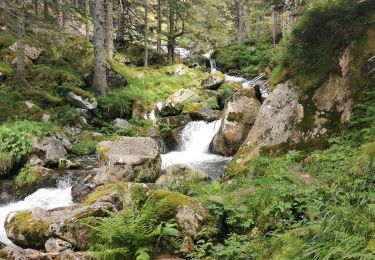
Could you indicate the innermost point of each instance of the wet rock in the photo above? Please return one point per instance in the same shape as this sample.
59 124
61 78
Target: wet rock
180 172
68 164
214 81
128 159
13 252
171 109
205 113
80 102
80 192
54 245
121 124
32 228
85 113
49 149
239 117
7 190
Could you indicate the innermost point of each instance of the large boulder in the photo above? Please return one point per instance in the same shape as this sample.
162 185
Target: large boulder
30 51
33 228
114 79
80 102
213 81
203 112
239 117
51 148
13 252
174 105
180 172
128 159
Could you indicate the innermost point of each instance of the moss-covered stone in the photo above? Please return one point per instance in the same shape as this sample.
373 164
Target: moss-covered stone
169 201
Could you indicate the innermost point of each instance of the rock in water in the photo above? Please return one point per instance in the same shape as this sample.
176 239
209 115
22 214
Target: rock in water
181 172
128 159
214 81
33 228
239 117
80 102
205 113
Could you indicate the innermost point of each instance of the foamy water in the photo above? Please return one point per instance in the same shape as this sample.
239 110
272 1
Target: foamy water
42 198
194 151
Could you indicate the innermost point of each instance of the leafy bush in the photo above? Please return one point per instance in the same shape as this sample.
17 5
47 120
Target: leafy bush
249 59
16 144
66 115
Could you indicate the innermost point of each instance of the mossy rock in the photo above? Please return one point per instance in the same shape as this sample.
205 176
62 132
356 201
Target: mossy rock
24 227
193 107
169 201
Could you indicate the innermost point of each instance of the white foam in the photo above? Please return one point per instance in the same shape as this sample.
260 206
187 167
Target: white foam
42 198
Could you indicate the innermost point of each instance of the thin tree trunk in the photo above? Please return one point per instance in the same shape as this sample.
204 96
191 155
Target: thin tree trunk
5 13
65 14
121 24
241 23
21 66
36 7
87 14
274 29
146 33
158 44
60 19
100 75
171 37
108 9
45 9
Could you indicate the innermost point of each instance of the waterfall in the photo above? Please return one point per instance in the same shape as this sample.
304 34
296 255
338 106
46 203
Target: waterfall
194 149
213 65
42 198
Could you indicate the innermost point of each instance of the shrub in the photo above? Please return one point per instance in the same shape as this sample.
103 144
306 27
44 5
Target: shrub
66 115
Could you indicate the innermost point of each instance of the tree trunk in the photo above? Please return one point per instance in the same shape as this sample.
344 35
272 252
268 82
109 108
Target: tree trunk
87 14
146 33
121 23
21 66
274 29
5 7
65 14
171 37
158 44
108 26
60 19
100 75
36 7
241 23
45 9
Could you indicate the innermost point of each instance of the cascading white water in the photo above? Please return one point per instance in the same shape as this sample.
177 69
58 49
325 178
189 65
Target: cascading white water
42 198
194 151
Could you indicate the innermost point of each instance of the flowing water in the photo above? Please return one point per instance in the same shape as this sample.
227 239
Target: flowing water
42 198
194 149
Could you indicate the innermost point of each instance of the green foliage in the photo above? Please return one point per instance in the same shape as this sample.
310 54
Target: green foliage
66 115
8 104
311 53
132 233
15 139
26 176
249 59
